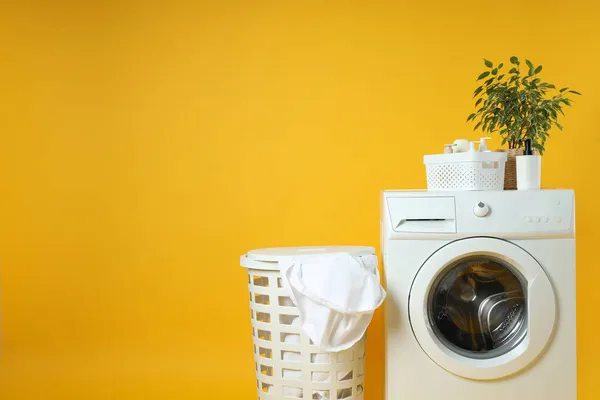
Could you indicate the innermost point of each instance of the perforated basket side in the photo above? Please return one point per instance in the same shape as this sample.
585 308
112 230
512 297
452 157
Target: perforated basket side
288 365
465 176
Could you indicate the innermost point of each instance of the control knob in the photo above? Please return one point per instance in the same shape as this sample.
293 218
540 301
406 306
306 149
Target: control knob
481 209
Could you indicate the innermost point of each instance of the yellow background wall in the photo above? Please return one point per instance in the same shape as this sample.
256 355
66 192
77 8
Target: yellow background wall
145 146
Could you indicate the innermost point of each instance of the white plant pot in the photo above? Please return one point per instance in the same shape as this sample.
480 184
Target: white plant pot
529 172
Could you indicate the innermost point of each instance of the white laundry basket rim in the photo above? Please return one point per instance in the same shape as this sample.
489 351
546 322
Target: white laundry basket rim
269 258
464 157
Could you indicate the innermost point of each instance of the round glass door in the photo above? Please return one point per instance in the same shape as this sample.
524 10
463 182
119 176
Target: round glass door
478 307
482 308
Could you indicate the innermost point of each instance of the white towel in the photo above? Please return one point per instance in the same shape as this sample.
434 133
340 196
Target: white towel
336 295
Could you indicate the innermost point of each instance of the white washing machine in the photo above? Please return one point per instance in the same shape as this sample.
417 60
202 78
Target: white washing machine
481 295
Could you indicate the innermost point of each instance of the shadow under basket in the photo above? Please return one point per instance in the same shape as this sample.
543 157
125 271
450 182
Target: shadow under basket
510 173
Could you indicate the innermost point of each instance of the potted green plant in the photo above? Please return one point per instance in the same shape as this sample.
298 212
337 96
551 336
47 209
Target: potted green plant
518 105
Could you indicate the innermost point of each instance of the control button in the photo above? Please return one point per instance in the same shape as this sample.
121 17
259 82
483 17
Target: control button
558 218
481 209
527 219
545 219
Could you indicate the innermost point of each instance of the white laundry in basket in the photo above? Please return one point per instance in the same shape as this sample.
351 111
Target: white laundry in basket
336 295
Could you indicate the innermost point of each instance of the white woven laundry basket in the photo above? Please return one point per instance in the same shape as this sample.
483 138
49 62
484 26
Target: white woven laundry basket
288 365
465 171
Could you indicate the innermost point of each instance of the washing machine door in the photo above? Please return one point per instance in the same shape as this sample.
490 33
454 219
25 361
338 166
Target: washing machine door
482 308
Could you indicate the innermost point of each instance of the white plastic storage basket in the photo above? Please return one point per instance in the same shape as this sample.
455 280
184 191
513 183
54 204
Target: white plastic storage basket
288 365
465 171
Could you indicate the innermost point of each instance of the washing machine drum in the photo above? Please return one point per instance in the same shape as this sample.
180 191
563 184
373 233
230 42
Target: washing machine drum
478 307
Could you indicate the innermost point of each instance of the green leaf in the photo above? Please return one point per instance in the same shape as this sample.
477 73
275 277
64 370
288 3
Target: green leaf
477 126
513 71
538 69
566 101
478 101
503 141
488 63
495 71
477 91
564 89
529 64
574 92
489 81
514 60
559 126
483 75
550 86
492 126
531 71
536 81
500 77
500 65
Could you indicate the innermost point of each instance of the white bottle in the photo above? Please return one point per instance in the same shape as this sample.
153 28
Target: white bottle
529 169
462 145
472 147
449 148
483 144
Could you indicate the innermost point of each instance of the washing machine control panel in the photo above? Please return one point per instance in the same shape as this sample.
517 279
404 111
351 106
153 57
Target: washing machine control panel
509 213
530 213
